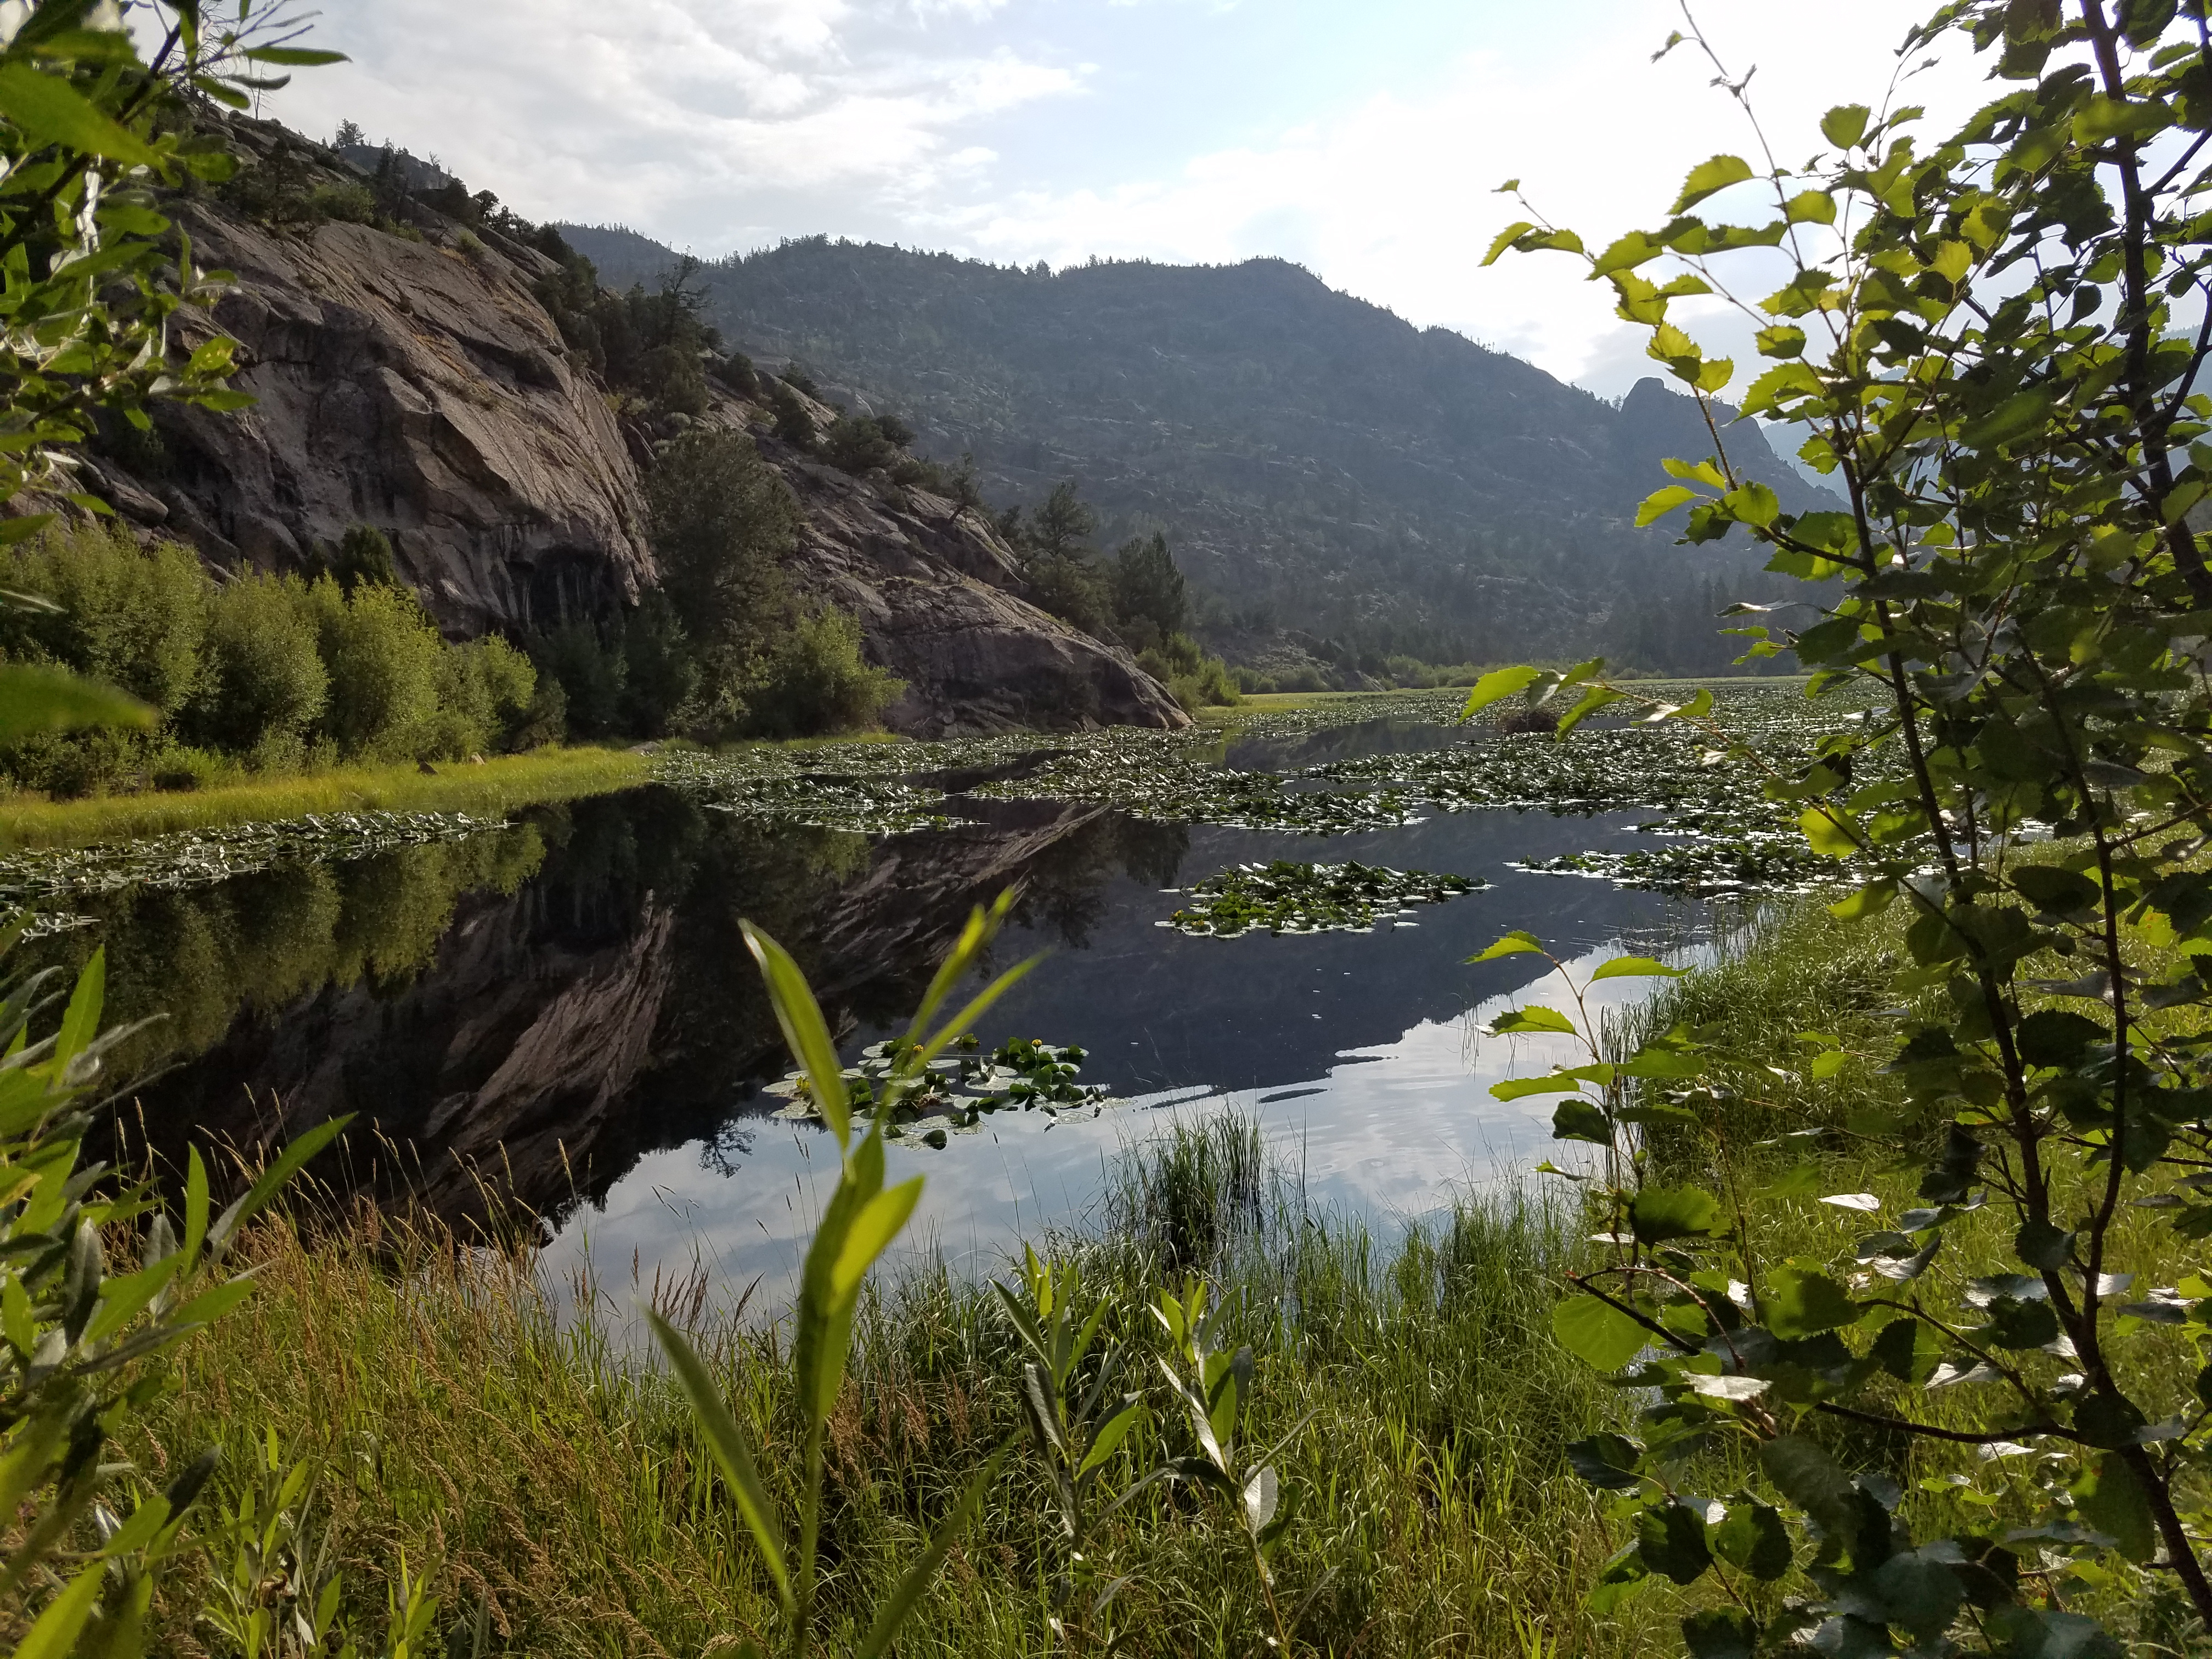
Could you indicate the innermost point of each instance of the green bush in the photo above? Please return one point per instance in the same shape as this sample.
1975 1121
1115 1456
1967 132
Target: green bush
265 685
133 618
486 696
813 681
382 654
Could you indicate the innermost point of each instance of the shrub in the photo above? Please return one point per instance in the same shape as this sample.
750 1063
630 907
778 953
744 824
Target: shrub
660 671
794 422
485 692
133 618
590 674
813 681
266 684
857 443
382 655
1069 585
363 555
353 204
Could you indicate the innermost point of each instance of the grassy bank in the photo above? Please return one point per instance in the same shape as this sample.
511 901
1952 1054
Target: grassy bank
546 1476
488 790
557 1490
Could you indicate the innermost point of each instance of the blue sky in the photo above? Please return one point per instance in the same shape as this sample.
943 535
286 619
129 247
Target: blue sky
1362 140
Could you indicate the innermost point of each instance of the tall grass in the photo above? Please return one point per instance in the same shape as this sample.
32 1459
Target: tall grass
557 1480
492 789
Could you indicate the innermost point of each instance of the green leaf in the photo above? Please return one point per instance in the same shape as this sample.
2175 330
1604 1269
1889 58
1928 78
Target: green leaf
1505 239
1606 1460
726 1442
1709 178
804 1031
873 1229
1754 1537
1578 1120
54 1637
1660 502
1498 684
1720 1633
1753 504
2102 117
2018 416
80 1019
1657 1214
1513 945
1532 1019
1636 968
1591 701
1801 1303
46 110
1671 1539
1781 340
1596 1333
1824 830
1810 207
2110 1500
297 57
35 699
1805 1475
1845 124
1518 1088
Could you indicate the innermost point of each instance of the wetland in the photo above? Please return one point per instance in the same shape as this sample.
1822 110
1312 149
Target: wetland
549 1017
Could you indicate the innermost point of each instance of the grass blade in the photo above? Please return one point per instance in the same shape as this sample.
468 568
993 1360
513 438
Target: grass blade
900 1606
731 1455
804 1030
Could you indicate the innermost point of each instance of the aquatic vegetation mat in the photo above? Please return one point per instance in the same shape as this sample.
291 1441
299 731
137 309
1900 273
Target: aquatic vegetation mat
1733 840
1022 1074
41 878
1310 898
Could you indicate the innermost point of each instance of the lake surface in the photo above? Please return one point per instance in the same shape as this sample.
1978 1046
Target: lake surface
556 1017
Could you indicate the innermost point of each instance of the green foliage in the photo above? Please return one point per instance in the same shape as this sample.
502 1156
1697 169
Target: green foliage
269 672
80 1342
812 680
858 1224
266 684
132 619
721 523
485 699
1151 602
384 660
1993 369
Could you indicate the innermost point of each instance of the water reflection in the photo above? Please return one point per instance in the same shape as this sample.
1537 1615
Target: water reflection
560 1015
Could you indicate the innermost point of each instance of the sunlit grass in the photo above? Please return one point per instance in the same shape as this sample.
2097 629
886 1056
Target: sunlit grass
489 790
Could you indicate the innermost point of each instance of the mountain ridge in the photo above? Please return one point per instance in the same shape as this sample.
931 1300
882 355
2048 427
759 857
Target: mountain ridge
1318 462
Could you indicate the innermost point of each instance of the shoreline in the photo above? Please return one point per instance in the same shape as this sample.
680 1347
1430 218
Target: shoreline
493 788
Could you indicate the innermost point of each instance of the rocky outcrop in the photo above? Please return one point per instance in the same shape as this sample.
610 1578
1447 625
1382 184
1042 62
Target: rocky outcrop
414 383
937 592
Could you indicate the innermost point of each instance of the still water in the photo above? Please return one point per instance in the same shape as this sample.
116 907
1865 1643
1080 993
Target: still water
558 1017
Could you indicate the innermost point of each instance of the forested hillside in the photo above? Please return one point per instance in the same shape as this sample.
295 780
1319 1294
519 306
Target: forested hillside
1317 462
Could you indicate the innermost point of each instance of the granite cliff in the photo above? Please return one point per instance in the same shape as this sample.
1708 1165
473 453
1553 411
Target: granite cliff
408 377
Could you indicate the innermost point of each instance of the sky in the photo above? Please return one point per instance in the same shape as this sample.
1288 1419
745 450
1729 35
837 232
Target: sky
1364 139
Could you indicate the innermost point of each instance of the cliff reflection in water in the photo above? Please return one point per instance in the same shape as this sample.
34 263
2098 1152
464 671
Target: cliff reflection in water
522 1015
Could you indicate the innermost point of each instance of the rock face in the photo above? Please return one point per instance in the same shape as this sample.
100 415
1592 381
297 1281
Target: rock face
417 387
937 592
416 384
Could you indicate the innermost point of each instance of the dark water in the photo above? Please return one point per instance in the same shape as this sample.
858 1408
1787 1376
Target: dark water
560 1015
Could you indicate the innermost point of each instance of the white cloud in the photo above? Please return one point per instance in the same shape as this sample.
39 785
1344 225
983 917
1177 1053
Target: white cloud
721 124
1391 199
673 115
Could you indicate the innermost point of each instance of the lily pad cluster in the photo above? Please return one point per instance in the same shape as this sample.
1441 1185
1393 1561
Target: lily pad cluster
1734 840
1310 898
37 878
1022 1074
